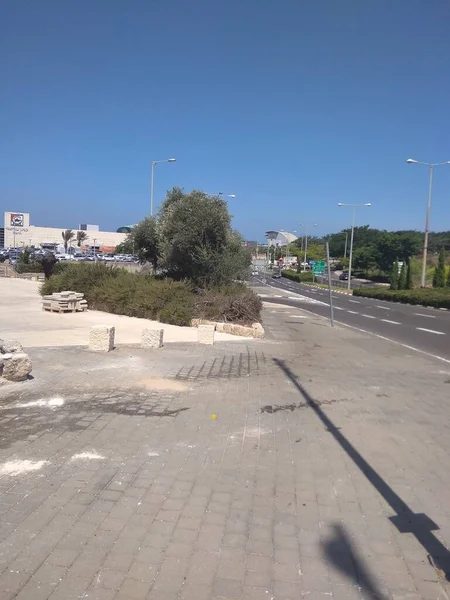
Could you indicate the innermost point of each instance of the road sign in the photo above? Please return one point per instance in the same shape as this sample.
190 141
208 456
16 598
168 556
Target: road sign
319 267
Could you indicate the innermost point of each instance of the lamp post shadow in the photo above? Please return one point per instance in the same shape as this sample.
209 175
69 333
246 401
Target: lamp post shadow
405 520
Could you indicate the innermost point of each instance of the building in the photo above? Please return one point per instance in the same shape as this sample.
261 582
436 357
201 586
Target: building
280 238
17 232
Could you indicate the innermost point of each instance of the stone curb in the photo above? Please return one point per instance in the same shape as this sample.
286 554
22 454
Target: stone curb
255 331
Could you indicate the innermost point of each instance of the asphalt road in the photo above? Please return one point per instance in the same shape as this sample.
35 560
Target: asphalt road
424 329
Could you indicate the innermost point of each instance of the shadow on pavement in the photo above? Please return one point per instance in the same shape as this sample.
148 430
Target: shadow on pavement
339 552
406 521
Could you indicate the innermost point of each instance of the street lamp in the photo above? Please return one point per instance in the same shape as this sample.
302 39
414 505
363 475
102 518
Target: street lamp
306 240
353 207
156 162
427 218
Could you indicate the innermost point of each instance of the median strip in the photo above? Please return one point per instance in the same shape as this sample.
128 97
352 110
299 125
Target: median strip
430 331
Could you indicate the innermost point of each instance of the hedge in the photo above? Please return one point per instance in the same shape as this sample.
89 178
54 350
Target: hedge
437 298
115 290
299 277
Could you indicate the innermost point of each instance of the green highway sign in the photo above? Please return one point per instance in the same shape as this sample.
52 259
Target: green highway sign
319 267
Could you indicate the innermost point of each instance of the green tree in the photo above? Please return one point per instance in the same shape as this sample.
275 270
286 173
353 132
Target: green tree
144 239
125 247
439 279
67 236
81 237
409 276
394 276
197 241
402 282
315 252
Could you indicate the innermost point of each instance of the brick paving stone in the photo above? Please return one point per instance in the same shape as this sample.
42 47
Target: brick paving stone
252 505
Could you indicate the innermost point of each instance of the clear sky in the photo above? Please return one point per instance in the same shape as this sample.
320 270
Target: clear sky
292 105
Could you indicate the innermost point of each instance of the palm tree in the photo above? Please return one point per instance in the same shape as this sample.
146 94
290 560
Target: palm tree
81 237
67 237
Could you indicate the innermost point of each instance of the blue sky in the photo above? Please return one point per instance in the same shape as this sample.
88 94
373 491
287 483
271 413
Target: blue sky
293 106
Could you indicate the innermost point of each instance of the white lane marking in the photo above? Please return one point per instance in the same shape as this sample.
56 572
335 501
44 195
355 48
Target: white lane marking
383 307
386 339
355 301
392 322
352 312
306 299
369 316
427 316
430 331
381 337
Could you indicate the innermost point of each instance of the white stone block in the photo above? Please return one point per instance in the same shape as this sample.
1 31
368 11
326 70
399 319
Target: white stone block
205 334
152 338
101 338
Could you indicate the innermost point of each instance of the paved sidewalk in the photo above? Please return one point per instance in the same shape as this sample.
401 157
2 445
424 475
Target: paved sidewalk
325 474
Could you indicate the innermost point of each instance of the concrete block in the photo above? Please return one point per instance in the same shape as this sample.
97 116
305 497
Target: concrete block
101 338
205 334
152 338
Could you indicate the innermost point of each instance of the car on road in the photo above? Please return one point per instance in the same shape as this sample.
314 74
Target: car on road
344 276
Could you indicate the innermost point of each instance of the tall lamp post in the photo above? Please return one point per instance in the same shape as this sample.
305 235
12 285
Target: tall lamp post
427 218
353 207
306 241
156 162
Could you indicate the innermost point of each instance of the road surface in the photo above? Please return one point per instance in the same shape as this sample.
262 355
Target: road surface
424 329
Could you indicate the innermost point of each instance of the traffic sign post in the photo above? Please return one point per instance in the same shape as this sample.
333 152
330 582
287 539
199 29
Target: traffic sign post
318 268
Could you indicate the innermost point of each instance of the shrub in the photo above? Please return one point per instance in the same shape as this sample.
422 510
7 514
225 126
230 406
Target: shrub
120 292
307 276
234 303
79 278
33 266
437 298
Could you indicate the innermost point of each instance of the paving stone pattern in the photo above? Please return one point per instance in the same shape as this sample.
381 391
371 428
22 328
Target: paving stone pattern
324 470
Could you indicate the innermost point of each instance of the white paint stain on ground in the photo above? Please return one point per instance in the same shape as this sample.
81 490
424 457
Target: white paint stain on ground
20 467
45 403
87 456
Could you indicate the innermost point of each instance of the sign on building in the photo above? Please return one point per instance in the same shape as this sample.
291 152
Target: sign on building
16 219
